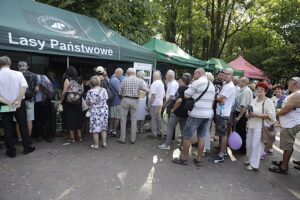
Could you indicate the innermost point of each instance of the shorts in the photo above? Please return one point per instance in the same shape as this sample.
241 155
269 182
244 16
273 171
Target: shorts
192 124
115 112
287 137
29 111
222 125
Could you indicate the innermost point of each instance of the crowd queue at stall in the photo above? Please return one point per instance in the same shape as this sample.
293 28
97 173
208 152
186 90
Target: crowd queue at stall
104 106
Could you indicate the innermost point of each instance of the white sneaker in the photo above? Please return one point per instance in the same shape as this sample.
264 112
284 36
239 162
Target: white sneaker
94 146
164 147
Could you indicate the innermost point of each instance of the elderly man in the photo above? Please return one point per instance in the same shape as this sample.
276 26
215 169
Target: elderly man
243 100
199 116
115 104
225 100
172 87
179 114
289 118
156 96
31 79
12 91
129 90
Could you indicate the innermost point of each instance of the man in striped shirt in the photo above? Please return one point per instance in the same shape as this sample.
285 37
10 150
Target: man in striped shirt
199 117
129 91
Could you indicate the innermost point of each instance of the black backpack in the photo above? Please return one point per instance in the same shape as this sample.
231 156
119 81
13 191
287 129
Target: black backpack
105 84
31 79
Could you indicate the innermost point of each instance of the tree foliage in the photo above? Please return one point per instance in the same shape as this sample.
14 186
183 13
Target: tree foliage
266 32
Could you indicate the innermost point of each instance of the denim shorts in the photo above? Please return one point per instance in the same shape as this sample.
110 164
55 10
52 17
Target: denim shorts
193 124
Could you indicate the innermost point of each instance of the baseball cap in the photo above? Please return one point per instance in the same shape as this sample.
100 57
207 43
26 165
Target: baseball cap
186 77
219 71
100 70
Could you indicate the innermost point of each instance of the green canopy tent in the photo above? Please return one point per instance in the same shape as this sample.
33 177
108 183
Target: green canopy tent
169 54
218 64
30 26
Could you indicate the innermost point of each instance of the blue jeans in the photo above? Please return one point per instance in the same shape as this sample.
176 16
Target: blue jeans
172 123
193 124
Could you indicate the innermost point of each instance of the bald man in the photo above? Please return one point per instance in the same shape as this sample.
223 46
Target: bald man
243 101
156 96
115 105
225 100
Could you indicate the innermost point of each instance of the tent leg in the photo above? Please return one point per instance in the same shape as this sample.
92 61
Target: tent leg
68 61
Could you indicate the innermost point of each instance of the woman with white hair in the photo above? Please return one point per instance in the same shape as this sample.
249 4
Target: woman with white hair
142 108
96 100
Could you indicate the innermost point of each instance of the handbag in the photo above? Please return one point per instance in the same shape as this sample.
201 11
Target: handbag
84 106
267 133
190 102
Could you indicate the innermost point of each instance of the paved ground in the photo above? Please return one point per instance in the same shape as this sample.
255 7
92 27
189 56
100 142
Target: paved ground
139 171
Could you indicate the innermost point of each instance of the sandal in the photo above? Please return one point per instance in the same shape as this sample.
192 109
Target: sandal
179 161
276 163
197 163
296 162
72 140
80 139
278 169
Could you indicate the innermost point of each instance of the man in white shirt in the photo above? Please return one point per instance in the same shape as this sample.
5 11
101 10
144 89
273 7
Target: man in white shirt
156 96
289 118
199 116
12 90
172 88
225 100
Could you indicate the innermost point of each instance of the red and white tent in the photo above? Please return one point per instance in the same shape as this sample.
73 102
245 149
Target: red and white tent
250 71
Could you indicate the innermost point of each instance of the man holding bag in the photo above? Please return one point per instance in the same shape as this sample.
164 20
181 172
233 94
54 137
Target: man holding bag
199 116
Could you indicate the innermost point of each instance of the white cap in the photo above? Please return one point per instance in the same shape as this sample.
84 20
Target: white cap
100 69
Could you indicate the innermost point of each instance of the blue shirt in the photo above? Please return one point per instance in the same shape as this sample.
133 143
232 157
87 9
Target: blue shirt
115 85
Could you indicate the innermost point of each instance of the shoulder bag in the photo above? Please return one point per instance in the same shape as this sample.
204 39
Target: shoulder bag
190 102
267 133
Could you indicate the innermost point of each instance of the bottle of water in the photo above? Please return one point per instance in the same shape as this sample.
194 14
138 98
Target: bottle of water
221 109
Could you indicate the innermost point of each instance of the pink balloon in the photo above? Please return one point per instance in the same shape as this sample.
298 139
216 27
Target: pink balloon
235 141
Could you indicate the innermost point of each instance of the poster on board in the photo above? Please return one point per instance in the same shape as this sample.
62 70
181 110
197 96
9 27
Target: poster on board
147 68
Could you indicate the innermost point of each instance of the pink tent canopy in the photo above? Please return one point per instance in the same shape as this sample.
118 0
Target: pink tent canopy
250 71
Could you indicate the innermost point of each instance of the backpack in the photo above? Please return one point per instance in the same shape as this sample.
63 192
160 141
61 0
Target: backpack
31 80
110 93
47 90
74 93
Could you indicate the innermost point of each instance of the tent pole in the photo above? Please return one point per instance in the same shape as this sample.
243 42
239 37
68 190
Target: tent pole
68 61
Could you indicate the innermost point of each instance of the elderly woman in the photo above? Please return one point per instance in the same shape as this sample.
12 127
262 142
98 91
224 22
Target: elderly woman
261 112
96 100
142 108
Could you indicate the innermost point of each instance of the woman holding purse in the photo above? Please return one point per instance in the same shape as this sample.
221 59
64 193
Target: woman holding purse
261 113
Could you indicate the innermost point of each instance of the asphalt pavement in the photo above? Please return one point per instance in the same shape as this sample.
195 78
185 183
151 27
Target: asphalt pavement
136 171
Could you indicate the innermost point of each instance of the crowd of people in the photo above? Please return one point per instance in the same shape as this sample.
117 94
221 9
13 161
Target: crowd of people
256 111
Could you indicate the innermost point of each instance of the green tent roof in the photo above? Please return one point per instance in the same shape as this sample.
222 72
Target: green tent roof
220 64
167 52
30 26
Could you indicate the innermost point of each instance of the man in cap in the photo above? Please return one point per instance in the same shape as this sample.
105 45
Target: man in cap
178 113
289 118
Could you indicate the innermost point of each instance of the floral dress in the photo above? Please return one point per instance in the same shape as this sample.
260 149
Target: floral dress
96 100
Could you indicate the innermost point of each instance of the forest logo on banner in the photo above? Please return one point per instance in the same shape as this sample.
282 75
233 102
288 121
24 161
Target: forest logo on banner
57 25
